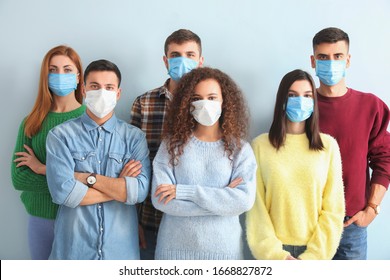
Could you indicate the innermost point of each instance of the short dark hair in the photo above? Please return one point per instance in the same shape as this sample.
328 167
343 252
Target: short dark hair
278 130
103 65
181 36
330 35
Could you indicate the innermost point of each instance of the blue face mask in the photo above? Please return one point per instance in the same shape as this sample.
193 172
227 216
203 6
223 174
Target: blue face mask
330 72
178 66
62 84
299 108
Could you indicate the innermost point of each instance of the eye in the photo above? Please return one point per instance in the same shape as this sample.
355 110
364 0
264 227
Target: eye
68 70
308 96
52 70
290 94
322 57
195 99
94 87
339 56
212 98
110 88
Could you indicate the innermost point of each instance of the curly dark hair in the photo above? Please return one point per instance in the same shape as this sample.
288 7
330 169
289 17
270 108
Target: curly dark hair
180 124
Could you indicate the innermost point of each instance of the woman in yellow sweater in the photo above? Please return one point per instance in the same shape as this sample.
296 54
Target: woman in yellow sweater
299 208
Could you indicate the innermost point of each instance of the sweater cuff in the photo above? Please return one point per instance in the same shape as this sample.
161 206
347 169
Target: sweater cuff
379 179
185 192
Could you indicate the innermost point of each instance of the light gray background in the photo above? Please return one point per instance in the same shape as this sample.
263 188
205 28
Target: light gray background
255 41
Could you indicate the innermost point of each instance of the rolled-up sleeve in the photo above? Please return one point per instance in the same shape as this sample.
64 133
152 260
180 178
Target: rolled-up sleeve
63 187
137 188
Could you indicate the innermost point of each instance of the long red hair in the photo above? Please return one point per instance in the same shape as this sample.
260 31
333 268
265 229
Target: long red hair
44 99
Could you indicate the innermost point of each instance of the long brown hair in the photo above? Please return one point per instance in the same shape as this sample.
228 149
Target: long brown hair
180 124
278 130
44 98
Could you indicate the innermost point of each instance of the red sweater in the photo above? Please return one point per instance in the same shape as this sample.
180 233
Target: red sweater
359 122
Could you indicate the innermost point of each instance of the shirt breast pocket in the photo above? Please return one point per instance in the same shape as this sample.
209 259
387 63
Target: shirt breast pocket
116 162
84 161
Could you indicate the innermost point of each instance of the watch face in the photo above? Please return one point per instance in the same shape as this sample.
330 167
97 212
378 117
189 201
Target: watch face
378 209
91 180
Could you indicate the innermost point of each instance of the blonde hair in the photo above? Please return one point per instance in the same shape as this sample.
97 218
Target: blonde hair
44 98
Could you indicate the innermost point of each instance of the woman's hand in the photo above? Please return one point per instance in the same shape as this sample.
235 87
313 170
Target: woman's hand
30 160
166 191
234 183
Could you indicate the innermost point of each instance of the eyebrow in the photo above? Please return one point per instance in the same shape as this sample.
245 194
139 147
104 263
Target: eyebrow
209 94
307 91
54 66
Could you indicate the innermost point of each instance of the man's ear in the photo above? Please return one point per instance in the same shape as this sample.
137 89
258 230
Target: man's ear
201 60
118 94
313 61
348 60
165 59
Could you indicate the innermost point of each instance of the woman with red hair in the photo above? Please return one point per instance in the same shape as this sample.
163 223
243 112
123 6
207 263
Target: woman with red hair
59 99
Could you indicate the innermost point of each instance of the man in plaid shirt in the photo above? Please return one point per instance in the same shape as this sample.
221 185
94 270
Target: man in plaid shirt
183 52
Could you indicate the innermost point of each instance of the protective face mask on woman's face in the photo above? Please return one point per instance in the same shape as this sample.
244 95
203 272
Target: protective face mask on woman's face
178 66
299 108
330 72
100 102
206 112
62 84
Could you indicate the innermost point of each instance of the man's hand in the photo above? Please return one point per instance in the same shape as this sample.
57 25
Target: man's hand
131 169
362 218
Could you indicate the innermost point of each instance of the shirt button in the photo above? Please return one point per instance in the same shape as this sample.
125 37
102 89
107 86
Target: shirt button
101 229
100 128
100 139
83 158
99 161
120 160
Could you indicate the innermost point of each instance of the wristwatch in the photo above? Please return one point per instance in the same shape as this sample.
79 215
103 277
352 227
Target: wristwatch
91 180
376 208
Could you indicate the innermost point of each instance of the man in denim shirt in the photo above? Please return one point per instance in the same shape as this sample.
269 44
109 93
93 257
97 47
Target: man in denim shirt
97 170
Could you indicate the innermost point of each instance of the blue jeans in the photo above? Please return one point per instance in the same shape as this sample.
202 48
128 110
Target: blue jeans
40 237
294 251
353 244
151 240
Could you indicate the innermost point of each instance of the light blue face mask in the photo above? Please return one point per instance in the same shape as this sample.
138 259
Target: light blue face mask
299 108
178 66
330 72
62 84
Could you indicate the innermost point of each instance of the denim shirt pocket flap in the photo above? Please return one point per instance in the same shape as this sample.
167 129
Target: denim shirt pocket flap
82 156
119 158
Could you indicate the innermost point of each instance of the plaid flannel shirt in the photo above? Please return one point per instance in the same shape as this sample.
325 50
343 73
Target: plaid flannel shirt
148 113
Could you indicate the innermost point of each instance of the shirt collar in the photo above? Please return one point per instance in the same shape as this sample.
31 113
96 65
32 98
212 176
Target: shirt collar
164 92
90 124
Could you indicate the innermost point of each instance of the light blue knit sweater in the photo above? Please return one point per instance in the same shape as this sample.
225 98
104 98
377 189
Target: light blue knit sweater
203 221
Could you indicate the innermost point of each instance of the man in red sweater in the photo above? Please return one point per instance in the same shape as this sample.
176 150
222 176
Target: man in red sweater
359 122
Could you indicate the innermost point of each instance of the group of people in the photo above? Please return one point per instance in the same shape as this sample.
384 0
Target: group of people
173 183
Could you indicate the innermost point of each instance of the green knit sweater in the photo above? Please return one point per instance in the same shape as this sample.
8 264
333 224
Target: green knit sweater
35 193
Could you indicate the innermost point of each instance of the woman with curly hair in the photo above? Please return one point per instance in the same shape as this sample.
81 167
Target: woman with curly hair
204 171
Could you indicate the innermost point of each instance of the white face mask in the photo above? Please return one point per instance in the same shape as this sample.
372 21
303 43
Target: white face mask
100 102
207 112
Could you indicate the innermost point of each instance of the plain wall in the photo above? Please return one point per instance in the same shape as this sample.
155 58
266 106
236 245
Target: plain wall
256 42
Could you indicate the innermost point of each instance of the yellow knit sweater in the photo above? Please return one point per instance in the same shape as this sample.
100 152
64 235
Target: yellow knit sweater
299 199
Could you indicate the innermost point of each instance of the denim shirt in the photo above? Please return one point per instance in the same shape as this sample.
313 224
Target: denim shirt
107 230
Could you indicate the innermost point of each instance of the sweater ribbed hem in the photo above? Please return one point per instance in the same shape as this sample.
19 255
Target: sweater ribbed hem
194 255
39 205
